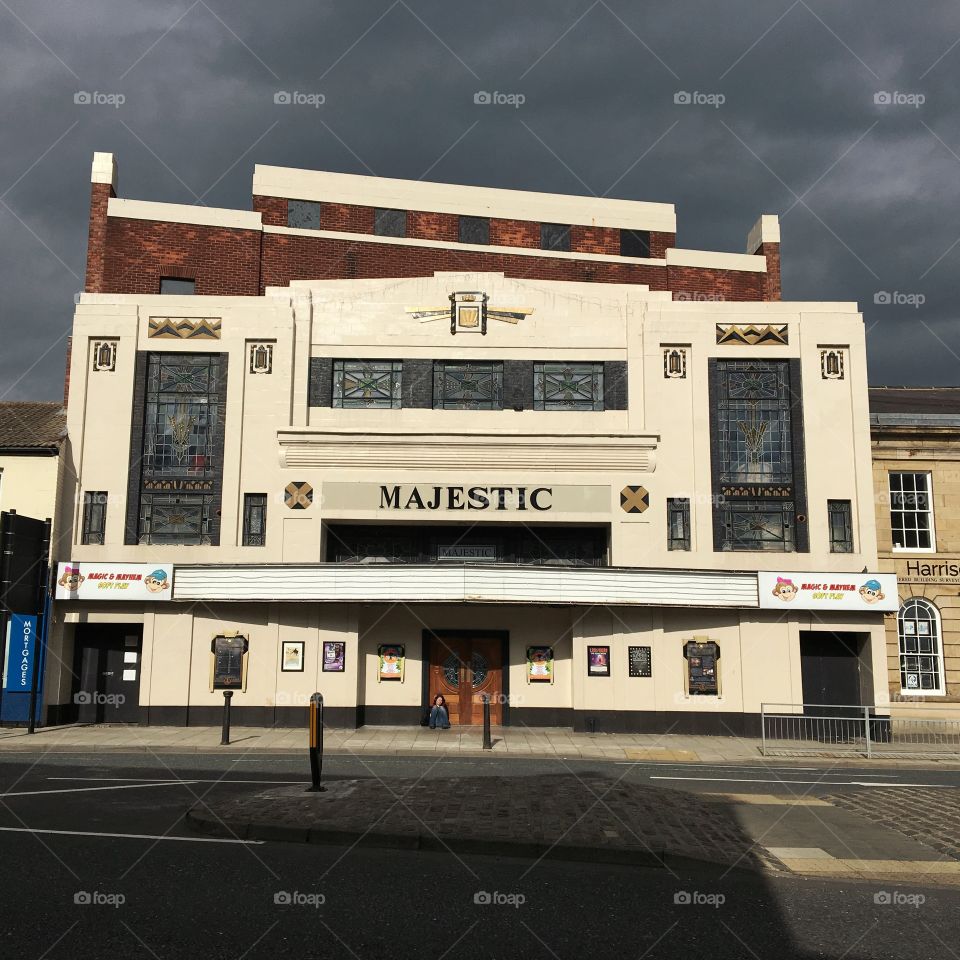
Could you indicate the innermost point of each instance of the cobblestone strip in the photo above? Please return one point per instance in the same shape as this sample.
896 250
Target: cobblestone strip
928 815
585 812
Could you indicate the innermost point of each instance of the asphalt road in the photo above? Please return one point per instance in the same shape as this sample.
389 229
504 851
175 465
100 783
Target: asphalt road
116 839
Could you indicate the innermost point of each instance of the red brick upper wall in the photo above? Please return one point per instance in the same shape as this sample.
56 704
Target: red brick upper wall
128 255
425 225
287 258
138 253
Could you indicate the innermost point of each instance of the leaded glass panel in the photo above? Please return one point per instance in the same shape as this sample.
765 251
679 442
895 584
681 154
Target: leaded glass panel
175 518
182 447
568 386
367 383
754 438
468 386
841 526
181 416
758 525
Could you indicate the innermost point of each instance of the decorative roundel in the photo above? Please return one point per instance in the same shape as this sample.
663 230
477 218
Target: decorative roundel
298 495
634 499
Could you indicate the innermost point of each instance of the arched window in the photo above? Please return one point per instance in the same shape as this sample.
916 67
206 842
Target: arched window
921 660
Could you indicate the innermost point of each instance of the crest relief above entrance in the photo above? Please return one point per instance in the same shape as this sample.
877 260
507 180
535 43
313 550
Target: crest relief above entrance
469 311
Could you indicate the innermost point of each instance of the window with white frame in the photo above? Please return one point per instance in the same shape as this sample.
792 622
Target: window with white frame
921 657
911 511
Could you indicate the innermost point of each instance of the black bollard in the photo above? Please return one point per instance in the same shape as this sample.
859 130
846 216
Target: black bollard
316 741
225 730
487 744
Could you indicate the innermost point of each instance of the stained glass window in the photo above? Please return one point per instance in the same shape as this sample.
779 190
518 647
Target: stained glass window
254 519
758 525
754 422
841 526
678 523
367 383
568 386
467 386
94 516
182 446
182 415
175 518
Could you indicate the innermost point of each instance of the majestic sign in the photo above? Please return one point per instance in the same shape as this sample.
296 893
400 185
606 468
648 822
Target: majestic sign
420 498
399 497
828 591
467 551
114 581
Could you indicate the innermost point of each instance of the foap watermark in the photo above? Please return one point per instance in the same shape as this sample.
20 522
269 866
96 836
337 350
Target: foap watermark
94 697
509 699
486 898
895 898
498 99
898 298
897 98
96 98
696 98
694 898
97 898
294 898
297 98
698 296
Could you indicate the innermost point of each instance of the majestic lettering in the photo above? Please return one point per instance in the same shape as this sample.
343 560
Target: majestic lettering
400 497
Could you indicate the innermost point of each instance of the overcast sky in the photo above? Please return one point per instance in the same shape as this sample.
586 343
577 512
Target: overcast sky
789 122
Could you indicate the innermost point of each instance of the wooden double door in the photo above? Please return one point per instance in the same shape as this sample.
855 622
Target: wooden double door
465 667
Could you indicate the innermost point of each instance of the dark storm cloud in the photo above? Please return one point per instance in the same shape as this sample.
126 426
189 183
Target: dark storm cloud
867 192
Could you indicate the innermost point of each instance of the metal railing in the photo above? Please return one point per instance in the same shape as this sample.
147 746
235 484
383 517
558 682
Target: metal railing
844 730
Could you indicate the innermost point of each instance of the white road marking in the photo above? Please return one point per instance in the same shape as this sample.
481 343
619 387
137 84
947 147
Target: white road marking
119 786
129 836
707 766
149 781
826 783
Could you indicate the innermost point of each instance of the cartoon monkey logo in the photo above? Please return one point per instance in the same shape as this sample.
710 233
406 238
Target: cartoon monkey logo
870 592
156 582
785 590
71 578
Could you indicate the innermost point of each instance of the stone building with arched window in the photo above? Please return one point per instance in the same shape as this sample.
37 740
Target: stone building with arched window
916 466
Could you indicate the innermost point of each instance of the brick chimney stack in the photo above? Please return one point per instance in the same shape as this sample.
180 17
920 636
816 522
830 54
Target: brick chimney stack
764 240
103 186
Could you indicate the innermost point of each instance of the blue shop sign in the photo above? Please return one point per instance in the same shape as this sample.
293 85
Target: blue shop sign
21 651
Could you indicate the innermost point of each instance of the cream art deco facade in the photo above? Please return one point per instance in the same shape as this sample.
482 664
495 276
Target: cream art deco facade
611 484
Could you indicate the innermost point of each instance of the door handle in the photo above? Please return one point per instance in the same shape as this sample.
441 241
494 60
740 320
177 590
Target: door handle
107 673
